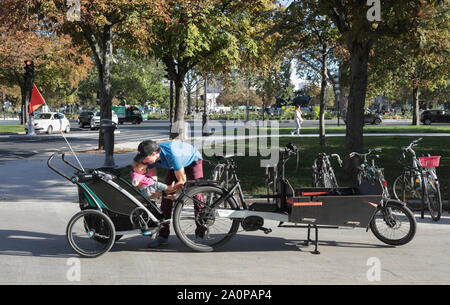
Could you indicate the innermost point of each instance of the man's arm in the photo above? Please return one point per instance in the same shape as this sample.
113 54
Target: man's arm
181 178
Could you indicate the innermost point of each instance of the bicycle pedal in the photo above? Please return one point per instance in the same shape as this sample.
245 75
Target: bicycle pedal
266 230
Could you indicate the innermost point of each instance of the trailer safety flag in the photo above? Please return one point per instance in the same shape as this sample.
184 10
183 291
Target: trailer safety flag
36 99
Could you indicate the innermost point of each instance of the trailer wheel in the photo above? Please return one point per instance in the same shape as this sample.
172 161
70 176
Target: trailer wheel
91 233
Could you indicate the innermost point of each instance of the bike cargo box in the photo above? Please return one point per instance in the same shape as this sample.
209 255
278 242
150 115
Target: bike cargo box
345 207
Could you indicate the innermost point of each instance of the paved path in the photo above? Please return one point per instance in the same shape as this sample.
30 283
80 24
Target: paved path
36 205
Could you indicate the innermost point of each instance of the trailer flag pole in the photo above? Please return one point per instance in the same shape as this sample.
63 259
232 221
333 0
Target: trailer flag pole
70 147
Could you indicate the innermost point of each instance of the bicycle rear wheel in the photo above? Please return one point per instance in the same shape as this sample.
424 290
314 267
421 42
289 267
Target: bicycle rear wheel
394 224
433 197
198 226
91 233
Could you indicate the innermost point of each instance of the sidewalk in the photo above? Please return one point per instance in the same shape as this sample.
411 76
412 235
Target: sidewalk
36 204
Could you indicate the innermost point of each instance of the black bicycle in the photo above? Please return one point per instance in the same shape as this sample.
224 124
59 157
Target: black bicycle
419 182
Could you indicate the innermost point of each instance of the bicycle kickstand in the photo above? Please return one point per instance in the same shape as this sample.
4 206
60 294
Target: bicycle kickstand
308 240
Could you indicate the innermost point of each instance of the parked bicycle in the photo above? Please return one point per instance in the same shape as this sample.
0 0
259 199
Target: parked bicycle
395 216
322 171
371 173
419 182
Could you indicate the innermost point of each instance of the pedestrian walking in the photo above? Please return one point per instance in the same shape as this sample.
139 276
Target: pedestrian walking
298 120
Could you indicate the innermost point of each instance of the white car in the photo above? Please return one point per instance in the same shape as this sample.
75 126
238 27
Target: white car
95 121
49 122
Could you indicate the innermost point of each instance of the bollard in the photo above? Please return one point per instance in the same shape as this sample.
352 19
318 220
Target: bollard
108 127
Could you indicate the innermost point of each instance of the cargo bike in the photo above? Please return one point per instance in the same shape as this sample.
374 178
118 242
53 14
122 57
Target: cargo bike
224 208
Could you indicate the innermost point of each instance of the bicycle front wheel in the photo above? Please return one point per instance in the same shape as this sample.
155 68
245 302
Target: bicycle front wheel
433 197
394 224
198 225
406 188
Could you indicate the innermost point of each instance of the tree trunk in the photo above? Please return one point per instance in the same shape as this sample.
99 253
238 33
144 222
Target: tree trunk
415 119
359 53
178 129
247 105
104 71
23 106
263 106
196 98
189 102
323 86
171 104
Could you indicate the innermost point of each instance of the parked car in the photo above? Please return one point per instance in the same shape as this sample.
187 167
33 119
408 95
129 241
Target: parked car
49 122
371 118
95 120
85 118
435 116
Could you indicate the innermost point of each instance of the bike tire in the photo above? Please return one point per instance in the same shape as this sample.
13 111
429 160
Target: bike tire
315 179
392 215
433 197
186 225
96 231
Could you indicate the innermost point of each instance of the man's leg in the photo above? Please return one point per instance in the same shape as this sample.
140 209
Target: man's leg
167 205
193 172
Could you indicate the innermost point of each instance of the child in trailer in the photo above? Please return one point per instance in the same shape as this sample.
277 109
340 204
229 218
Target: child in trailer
149 187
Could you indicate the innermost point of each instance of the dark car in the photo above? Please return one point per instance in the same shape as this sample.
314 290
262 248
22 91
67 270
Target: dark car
84 119
435 116
371 118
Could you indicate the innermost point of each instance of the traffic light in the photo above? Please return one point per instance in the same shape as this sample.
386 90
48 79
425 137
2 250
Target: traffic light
29 68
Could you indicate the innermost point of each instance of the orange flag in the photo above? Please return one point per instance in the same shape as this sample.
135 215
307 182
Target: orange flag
36 99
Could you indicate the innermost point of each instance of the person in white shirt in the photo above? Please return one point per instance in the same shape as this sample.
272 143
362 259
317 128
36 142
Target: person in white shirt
298 120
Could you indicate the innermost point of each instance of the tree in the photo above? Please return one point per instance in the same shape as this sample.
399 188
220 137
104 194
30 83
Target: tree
310 36
361 32
103 27
418 59
59 66
209 35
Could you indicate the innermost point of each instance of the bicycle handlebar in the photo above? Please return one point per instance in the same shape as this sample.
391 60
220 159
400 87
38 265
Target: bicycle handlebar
338 159
372 150
410 146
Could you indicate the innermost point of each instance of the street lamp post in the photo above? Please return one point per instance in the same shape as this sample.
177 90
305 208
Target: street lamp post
29 79
205 110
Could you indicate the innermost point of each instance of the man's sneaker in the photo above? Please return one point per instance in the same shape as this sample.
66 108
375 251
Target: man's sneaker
147 233
158 242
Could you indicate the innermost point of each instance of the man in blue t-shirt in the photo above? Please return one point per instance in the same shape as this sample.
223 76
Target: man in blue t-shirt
183 161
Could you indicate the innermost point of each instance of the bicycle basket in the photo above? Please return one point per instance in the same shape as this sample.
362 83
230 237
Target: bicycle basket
432 161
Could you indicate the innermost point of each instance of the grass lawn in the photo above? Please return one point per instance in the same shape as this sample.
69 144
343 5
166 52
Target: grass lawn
11 128
252 176
367 129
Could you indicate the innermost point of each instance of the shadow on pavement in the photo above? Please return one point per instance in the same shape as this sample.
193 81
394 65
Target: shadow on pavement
26 243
